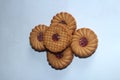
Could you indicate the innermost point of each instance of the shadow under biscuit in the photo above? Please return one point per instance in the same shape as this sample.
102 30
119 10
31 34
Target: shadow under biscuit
82 57
38 50
57 68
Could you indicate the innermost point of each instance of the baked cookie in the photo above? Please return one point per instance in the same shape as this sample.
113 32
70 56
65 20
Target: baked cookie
36 37
84 42
56 38
65 19
60 60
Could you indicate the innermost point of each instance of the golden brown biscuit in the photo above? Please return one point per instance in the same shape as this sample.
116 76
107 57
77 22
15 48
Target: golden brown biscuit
65 19
36 37
84 42
56 38
60 60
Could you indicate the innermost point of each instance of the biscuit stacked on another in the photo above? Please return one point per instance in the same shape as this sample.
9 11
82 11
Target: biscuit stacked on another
58 40
61 40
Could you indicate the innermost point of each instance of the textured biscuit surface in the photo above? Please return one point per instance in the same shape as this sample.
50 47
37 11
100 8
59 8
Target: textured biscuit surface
84 42
56 38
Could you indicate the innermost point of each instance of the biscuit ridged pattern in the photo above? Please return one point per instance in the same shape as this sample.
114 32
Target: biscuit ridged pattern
35 43
89 48
62 62
68 18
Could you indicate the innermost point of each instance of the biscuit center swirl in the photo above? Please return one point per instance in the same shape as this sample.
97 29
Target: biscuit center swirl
40 36
59 55
63 22
83 42
55 37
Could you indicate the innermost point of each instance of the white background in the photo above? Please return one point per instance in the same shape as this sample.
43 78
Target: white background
18 61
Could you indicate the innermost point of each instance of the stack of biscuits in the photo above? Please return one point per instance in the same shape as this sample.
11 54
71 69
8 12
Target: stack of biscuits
61 40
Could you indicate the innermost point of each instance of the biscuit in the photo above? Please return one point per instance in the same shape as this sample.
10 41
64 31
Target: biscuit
84 42
60 60
65 19
56 38
36 37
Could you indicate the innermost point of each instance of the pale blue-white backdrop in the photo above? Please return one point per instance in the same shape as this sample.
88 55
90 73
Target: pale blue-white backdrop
18 61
